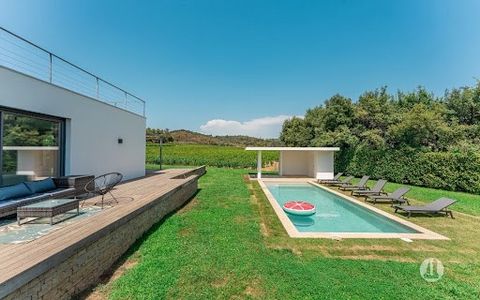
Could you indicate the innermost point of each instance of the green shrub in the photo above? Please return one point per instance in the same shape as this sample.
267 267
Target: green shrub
442 170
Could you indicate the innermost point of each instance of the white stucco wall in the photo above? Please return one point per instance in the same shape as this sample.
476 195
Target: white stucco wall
316 164
324 165
92 127
296 163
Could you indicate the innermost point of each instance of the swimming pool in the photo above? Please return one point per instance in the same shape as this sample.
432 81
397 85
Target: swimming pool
337 214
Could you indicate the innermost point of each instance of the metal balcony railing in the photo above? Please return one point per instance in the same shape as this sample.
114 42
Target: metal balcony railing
21 55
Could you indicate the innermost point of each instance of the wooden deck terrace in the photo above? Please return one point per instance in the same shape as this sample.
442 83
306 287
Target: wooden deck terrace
20 264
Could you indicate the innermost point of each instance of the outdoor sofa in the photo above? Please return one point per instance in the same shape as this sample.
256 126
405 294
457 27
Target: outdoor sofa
25 193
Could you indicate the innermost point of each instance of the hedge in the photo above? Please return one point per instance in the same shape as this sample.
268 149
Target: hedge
440 170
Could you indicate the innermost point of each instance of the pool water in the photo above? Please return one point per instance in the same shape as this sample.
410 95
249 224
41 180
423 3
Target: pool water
333 213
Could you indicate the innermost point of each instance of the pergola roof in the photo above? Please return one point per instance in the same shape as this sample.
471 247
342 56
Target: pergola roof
292 148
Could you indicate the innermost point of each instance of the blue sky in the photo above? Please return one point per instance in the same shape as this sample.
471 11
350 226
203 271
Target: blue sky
228 67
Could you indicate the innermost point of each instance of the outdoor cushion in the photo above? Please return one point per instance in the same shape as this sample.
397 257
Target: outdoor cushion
41 186
14 191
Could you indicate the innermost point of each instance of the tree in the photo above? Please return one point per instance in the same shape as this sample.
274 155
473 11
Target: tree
378 120
342 137
464 104
373 139
154 134
421 127
400 138
28 131
419 96
339 111
375 111
296 132
331 123
315 117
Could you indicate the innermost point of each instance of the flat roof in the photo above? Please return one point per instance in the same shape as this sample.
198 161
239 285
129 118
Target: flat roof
292 148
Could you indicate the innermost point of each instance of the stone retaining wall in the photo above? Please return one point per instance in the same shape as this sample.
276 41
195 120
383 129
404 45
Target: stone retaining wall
84 268
197 171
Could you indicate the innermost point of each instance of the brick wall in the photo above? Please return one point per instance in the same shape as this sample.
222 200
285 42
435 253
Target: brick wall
84 268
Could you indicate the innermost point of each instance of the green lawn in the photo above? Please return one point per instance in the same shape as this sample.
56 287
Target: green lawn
227 243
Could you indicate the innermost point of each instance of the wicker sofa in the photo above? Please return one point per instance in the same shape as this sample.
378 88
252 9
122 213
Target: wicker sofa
62 187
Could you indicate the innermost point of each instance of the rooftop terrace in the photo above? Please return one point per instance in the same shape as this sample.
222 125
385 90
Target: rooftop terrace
21 55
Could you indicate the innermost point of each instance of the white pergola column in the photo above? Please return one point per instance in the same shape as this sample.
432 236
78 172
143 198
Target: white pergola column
280 164
259 164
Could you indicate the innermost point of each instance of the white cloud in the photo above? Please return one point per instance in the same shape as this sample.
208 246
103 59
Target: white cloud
266 127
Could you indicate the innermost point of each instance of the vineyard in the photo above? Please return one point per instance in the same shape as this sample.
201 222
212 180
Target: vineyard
210 155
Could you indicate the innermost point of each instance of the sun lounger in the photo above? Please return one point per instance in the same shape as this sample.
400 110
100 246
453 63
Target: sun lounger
335 179
377 190
438 206
395 197
361 185
344 181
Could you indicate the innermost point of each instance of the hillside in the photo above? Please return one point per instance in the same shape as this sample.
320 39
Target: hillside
189 137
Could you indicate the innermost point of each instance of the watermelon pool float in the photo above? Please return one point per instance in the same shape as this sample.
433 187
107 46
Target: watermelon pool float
299 208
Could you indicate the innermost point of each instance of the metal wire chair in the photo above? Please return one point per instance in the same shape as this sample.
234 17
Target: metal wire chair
104 184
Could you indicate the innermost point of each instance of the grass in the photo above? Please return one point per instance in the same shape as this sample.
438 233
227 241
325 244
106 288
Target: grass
467 203
228 243
209 155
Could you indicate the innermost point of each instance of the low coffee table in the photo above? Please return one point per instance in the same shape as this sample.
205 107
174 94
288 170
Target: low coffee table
47 209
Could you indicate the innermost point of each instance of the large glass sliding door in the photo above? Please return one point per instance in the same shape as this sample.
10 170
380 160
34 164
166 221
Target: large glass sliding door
31 147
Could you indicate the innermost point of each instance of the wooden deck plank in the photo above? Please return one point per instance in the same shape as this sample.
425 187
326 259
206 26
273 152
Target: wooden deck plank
19 258
68 234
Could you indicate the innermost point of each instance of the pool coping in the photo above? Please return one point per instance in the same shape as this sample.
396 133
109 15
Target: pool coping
424 234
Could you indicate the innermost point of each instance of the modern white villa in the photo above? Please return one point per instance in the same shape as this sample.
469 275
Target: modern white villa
60 127
58 119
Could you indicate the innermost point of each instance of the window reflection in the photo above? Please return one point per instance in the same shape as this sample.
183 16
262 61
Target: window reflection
31 148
